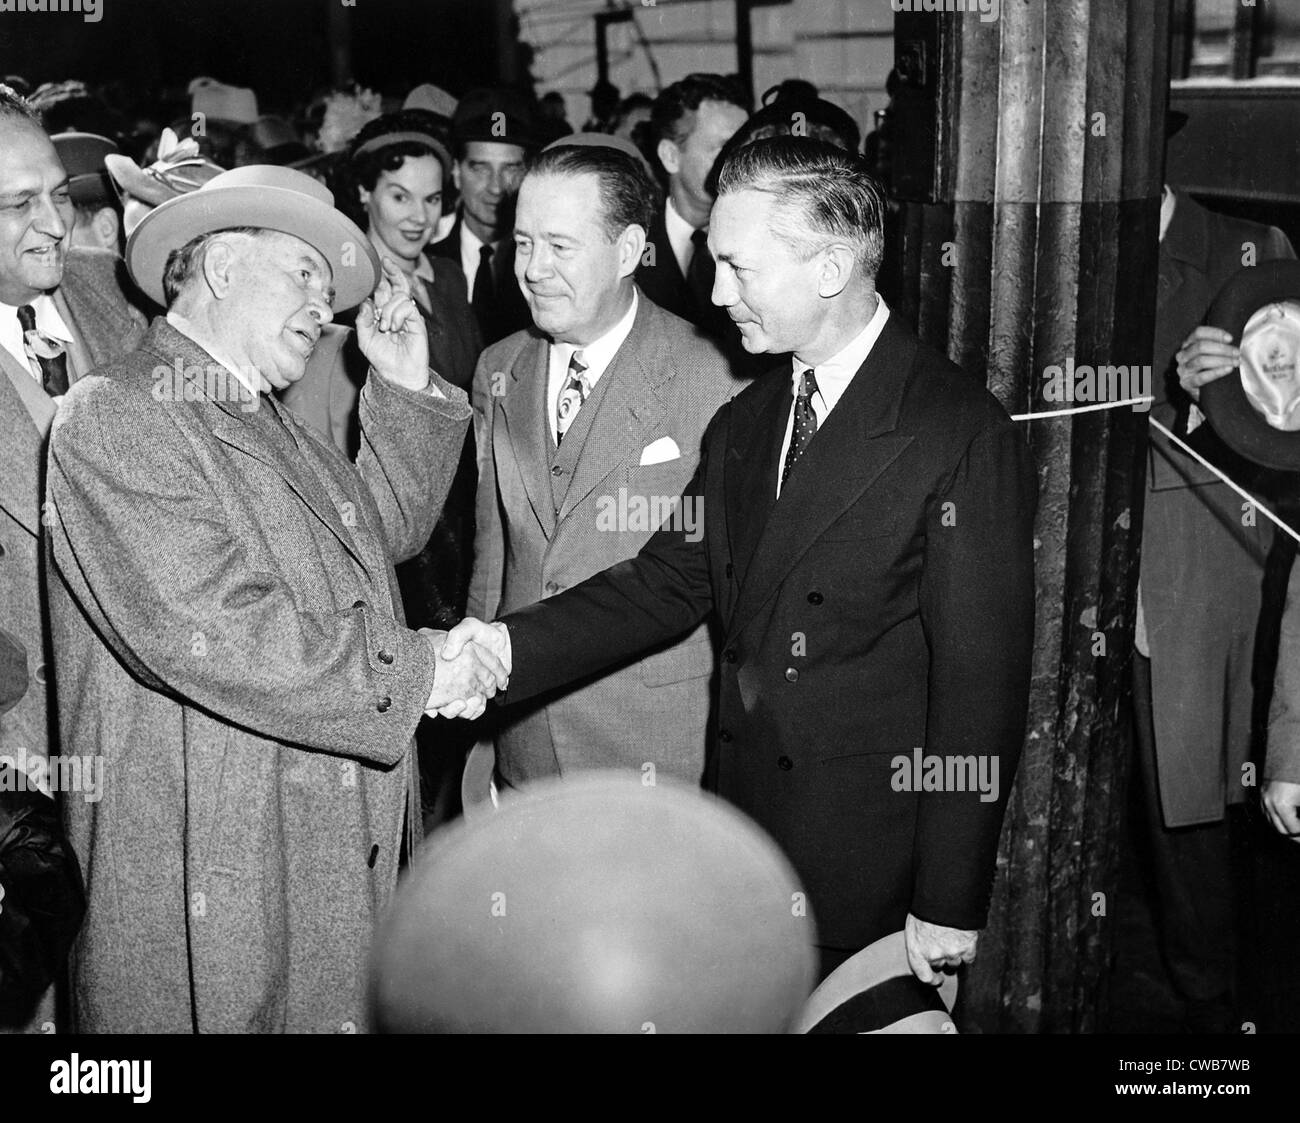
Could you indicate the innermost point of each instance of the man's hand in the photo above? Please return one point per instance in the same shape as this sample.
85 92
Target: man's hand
391 331
1281 800
1205 355
932 947
490 637
462 684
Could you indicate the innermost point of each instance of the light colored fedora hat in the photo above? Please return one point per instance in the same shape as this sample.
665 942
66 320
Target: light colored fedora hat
261 195
876 992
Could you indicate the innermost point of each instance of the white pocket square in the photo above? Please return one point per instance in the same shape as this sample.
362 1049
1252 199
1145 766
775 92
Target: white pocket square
660 451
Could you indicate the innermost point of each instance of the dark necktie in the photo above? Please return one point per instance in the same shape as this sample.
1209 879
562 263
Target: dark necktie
700 271
48 353
805 423
572 395
482 298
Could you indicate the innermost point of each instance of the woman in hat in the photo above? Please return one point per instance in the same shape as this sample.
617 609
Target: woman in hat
392 185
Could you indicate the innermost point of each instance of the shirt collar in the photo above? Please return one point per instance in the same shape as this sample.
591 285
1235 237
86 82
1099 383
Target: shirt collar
835 374
600 353
48 322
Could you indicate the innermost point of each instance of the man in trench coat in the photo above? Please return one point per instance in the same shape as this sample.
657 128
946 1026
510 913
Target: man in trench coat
226 625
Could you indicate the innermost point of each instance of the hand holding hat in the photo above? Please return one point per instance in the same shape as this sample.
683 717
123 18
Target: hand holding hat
391 331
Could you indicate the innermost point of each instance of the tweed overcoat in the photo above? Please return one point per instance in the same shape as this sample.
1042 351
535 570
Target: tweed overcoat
228 637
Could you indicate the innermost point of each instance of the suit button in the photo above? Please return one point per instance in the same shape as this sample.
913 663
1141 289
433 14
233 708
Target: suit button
729 656
724 735
374 854
383 704
39 673
784 763
2 549
552 587
385 657
556 470
815 598
358 604
791 675
730 570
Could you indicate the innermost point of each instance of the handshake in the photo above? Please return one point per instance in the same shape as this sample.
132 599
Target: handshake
472 664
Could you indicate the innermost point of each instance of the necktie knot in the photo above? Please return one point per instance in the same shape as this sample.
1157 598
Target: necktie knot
485 254
49 354
700 238
808 384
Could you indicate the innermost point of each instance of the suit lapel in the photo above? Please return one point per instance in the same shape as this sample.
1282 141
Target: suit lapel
26 420
848 454
523 409
630 408
237 429
749 469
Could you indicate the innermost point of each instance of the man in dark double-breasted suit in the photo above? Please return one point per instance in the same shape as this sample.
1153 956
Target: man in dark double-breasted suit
867 553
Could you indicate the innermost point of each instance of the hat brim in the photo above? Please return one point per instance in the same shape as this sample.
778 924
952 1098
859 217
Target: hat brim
352 259
1223 401
896 1010
130 177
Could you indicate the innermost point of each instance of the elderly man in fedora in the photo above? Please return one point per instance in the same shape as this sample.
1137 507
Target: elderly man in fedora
226 622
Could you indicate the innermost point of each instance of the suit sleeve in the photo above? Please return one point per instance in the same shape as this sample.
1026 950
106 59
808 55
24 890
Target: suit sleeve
977 610
632 607
489 534
1283 760
151 557
410 447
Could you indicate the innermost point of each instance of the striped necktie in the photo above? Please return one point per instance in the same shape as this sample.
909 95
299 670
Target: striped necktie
805 423
572 396
48 353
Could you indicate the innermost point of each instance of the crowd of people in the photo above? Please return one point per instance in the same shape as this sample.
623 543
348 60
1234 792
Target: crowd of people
323 431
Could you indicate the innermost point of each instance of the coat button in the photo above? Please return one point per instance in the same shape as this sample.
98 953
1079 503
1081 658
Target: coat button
556 470
39 673
784 763
374 854
358 604
815 598
552 587
791 675
724 735
730 569
385 657
383 704
729 655
2 549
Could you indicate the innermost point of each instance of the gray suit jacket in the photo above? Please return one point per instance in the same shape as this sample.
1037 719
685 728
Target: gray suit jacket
549 518
106 326
228 641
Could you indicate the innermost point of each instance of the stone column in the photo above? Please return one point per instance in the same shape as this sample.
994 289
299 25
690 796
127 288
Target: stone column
1028 166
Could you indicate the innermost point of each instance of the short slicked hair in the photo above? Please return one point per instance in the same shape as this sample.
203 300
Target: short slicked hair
823 195
628 196
672 114
14 106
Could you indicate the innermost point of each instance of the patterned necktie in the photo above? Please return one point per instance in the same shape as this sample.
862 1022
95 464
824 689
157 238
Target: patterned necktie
48 353
572 396
805 423
482 298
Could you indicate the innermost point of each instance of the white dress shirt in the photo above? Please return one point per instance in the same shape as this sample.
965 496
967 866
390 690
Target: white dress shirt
48 322
833 377
597 355
680 233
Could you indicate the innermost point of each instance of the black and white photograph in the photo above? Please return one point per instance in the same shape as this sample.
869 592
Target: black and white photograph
597 517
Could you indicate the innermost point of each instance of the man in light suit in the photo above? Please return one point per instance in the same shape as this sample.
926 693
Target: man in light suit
80 312
868 556
585 426
226 625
